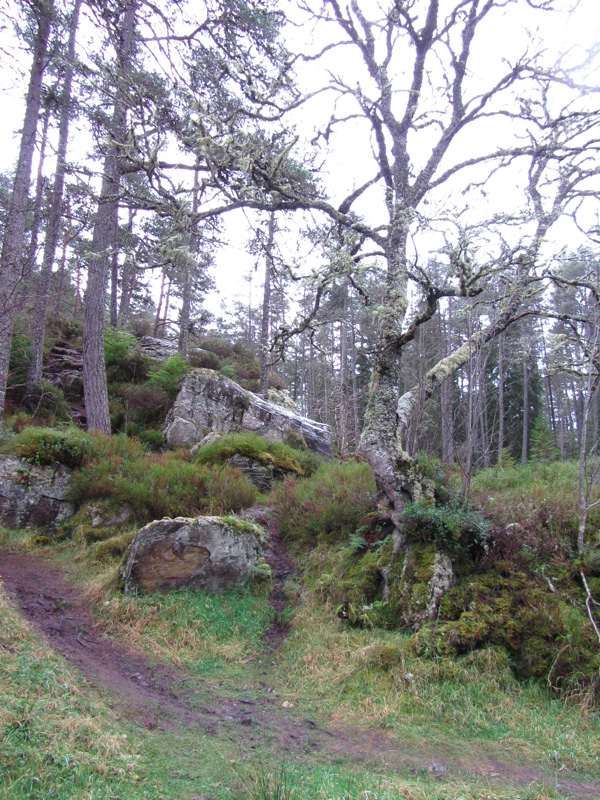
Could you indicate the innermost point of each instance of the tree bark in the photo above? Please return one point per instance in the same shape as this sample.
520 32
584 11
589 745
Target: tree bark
447 401
265 322
14 232
104 241
525 439
501 412
188 281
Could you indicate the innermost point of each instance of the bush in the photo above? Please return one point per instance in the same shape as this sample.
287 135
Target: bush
326 507
48 401
146 402
204 359
219 347
47 446
452 529
124 361
168 376
159 486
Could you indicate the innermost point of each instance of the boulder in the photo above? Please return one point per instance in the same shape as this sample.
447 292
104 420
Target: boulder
210 402
209 553
261 475
31 495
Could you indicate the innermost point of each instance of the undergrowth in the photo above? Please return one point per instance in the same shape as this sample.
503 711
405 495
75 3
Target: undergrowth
327 507
374 677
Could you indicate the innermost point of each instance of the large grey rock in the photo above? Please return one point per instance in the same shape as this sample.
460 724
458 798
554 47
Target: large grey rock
209 402
209 553
31 495
161 349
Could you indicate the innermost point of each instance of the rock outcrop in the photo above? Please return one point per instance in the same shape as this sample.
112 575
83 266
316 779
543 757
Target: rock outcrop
209 553
31 495
209 402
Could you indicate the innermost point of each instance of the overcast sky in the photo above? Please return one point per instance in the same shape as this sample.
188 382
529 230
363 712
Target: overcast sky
346 164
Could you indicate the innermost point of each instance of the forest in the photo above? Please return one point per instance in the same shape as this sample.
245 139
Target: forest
384 215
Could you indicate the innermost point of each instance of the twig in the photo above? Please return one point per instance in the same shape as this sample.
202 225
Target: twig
588 603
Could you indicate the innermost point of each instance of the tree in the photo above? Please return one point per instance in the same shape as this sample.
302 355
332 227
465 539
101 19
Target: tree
13 242
38 326
414 79
104 237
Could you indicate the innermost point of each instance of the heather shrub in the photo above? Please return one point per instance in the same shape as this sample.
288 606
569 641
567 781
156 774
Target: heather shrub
48 446
204 359
161 485
145 402
326 507
452 528
49 402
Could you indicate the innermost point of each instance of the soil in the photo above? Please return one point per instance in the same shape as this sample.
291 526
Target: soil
162 696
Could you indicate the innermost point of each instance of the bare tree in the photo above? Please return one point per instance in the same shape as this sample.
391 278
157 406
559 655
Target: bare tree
415 67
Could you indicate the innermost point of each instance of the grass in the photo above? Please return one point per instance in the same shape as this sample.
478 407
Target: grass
204 633
539 496
302 462
376 678
59 739
55 741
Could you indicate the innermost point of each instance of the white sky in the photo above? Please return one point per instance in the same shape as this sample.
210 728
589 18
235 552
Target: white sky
345 165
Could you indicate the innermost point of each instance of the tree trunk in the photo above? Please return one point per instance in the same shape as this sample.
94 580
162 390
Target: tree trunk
188 282
14 232
103 244
501 381
525 440
40 186
38 325
447 401
157 319
128 279
266 310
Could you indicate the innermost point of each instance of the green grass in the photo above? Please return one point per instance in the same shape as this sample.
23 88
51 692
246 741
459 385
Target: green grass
376 678
55 740
207 634
59 739
541 497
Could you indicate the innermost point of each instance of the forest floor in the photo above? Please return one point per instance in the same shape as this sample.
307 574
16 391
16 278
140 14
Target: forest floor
165 699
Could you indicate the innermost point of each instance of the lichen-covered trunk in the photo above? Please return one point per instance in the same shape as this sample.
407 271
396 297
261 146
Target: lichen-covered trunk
380 444
265 322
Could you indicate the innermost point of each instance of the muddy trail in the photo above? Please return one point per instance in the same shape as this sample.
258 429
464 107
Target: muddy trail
163 697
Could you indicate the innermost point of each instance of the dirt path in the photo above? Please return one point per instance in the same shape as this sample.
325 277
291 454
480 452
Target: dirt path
157 695
282 568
